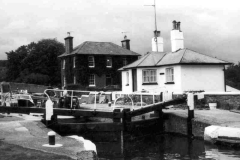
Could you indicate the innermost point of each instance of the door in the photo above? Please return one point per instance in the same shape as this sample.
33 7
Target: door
134 79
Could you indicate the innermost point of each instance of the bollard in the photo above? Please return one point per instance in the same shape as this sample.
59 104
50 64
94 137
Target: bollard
51 138
109 104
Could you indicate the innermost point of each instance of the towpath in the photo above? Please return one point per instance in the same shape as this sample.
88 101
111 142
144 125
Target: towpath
29 132
213 117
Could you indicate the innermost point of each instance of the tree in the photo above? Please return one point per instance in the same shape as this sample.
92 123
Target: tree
36 63
233 75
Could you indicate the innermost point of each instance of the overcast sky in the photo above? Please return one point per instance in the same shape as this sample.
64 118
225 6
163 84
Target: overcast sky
210 27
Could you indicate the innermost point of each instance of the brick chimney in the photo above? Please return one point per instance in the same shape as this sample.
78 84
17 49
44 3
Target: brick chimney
68 44
126 43
157 42
177 39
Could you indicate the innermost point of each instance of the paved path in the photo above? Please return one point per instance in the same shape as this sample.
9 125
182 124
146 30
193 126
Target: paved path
213 117
29 132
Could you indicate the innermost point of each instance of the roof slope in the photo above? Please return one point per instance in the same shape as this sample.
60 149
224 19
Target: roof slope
182 56
100 48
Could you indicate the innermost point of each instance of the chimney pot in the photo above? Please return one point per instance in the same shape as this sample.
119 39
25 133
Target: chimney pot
178 26
126 43
174 25
156 33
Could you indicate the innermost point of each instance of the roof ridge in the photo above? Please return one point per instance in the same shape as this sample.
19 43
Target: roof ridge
84 43
143 59
123 48
208 55
182 55
161 58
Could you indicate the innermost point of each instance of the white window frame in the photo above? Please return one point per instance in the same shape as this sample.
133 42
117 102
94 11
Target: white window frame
169 75
109 62
74 79
91 62
64 81
127 78
91 80
63 64
149 76
124 61
74 62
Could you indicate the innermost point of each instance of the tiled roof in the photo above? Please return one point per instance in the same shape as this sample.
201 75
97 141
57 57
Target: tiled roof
100 48
182 56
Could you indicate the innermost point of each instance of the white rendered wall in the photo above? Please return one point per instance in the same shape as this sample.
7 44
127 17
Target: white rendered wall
160 44
161 80
127 88
209 78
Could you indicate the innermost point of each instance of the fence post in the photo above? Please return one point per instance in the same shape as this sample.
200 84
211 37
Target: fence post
115 112
190 103
126 118
141 99
95 103
159 112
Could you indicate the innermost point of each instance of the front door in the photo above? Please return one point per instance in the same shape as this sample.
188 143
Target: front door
134 79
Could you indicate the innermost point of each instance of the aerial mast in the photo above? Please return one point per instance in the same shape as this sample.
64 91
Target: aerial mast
155 23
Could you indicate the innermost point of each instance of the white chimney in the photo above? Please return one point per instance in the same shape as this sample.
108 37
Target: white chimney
157 42
177 39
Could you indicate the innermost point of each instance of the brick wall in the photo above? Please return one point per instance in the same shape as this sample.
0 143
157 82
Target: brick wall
224 100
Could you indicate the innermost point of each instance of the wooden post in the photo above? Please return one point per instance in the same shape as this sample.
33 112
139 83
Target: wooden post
161 119
126 118
114 113
190 103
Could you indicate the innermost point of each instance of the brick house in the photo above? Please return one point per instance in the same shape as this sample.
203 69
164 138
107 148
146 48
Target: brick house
94 65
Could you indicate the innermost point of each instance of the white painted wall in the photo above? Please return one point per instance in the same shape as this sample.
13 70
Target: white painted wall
209 78
161 80
177 40
127 88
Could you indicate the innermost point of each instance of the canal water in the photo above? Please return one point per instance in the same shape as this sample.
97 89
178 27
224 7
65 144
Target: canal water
164 147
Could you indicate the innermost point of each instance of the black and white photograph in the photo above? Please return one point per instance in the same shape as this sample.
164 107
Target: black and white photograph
119 80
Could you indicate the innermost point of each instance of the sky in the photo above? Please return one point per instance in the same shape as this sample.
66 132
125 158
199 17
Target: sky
209 26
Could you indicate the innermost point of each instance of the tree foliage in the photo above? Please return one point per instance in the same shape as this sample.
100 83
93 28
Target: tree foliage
233 75
36 63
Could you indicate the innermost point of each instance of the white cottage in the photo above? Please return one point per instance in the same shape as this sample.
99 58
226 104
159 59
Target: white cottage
177 71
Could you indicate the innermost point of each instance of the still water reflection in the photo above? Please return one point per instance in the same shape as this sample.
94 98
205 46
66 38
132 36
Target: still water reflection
167 147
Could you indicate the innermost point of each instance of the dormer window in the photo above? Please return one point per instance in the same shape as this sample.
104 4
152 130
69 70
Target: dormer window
109 62
91 62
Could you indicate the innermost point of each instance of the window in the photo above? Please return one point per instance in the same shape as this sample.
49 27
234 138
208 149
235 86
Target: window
63 64
91 80
108 79
124 61
149 76
74 62
169 75
127 78
74 79
91 62
64 81
109 62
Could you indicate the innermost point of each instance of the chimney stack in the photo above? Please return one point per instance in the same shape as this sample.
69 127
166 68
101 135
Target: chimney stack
126 43
157 42
177 39
68 44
